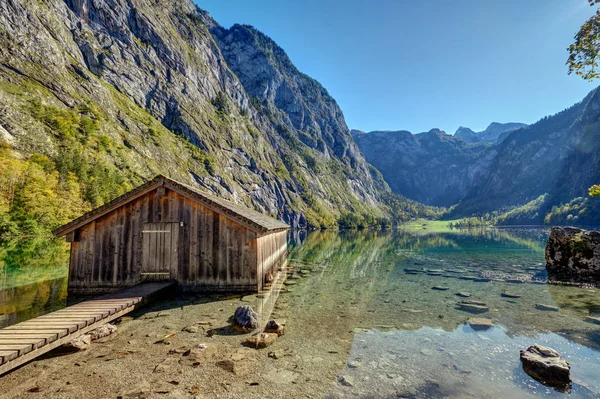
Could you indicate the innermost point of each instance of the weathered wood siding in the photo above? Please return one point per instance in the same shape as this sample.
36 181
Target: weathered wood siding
214 253
272 254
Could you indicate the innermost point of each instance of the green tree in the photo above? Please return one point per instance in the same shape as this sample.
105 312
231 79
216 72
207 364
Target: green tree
583 57
583 53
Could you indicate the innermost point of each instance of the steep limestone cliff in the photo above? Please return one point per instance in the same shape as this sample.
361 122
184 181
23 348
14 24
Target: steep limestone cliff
113 92
434 167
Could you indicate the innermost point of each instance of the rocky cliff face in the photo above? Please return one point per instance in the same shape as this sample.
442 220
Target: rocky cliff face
434 167
493 133
136 88
573 256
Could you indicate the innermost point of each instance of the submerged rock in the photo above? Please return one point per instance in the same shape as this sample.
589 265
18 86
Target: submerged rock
245 317
507 294
478 323
592 319
440 288
473 306
463 294
547 366
549 308
346 380
573 255
474 302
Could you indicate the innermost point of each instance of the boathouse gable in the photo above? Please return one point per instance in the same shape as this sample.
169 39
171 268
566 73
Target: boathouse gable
167 231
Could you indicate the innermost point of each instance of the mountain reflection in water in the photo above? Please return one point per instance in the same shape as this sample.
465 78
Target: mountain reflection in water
411 339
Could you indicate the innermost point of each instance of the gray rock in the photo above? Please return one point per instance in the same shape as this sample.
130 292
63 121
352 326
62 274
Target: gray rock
275 327
261 341
463 294
277 354
140 390
102 331
478 323
78 344
507 294
547 366
472 307
238 365
346 380
573 255
439 288
549 308
354 364
245 317
191 329
514 280
592 319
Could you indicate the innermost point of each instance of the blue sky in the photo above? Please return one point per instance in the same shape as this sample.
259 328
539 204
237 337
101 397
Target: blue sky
416 65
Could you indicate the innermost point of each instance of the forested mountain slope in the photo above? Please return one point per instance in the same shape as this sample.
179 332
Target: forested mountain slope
557 158
533 174
98 95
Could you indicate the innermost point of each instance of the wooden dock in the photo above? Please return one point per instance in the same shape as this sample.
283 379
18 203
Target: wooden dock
23 342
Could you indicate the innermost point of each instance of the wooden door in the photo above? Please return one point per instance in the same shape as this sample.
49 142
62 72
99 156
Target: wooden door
160 255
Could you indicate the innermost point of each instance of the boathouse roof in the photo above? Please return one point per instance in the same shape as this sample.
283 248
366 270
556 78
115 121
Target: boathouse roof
255 220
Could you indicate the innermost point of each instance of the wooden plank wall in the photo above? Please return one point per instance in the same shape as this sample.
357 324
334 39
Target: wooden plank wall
215 253
272 254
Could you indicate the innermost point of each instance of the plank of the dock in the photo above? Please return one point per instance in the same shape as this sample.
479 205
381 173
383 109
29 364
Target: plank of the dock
23 342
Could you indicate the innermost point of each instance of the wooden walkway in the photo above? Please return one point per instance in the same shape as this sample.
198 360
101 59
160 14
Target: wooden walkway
23 342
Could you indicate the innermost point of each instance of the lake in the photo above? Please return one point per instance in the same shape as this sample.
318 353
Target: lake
385 307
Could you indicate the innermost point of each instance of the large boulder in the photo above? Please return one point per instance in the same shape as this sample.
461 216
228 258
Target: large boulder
547 366
245 317
573 256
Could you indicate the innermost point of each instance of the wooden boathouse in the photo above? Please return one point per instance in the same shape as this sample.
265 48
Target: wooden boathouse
167 231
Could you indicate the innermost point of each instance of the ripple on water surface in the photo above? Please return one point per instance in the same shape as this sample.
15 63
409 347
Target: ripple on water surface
463 363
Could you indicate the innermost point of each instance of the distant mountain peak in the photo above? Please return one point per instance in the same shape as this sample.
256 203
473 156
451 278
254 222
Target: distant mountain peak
495 132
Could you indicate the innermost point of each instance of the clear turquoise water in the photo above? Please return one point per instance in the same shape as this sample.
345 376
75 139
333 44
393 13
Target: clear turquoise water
367 298
409 340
